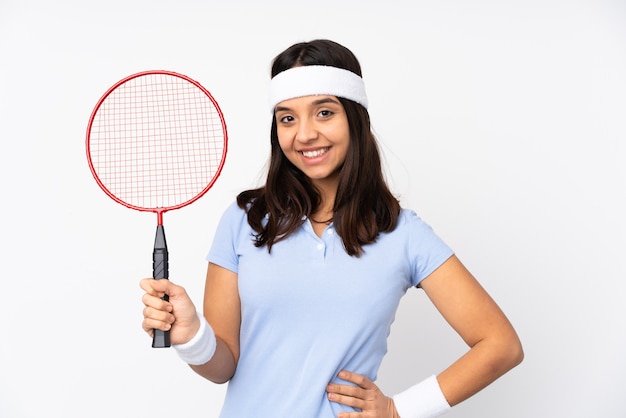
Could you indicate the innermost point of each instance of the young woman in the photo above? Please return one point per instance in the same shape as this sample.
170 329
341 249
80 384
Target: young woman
306 273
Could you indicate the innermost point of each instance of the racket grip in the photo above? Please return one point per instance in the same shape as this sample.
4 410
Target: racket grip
160 270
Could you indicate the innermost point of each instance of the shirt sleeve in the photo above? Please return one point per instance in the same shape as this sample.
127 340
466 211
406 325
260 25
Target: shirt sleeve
427 251
224 249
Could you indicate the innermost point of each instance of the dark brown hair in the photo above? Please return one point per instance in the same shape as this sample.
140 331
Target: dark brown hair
364 205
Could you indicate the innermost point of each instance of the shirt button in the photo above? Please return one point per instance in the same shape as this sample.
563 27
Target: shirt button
320 246
330 231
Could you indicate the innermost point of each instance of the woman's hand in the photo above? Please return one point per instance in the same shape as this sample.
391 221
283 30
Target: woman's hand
365 396
178 315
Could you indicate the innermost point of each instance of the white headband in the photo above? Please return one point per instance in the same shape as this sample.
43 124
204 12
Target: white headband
312 80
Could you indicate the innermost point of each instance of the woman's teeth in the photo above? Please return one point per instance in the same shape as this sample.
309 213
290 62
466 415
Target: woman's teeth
316 153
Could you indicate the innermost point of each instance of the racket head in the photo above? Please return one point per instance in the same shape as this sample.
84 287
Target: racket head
156 141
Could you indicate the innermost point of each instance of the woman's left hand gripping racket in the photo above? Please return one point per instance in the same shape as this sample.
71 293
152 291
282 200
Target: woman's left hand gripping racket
156 141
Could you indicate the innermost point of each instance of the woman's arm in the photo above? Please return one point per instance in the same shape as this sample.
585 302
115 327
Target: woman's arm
222 309
494 349
494 345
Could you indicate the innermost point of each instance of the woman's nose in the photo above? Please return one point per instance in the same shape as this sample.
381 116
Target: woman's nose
306 131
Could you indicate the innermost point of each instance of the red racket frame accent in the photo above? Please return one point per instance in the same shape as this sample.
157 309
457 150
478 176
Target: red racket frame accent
159 211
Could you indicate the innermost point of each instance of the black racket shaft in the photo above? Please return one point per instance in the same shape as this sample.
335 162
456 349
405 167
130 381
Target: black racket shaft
160 270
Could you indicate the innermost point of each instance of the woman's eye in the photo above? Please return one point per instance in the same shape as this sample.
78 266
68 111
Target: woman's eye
326 113
285 119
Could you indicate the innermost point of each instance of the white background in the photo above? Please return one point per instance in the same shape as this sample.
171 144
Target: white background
502 124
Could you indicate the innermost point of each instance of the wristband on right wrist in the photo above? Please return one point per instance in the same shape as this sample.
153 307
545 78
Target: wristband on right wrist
424 400
201 347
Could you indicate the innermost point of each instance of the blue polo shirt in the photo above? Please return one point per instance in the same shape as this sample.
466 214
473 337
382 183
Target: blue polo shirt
309 310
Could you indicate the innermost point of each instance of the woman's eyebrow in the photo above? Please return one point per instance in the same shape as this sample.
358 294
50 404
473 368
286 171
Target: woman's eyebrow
281 109
325 100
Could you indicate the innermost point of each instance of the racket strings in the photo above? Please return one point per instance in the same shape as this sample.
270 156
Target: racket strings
157 141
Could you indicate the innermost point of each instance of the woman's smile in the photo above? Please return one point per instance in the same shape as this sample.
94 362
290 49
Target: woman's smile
315 153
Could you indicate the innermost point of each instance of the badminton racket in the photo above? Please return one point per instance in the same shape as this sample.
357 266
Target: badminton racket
156 141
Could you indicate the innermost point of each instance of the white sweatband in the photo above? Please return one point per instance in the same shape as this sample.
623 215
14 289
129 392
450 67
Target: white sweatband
424 400
201 347
312 80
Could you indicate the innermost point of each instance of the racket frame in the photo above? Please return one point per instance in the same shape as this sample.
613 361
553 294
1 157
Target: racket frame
160 210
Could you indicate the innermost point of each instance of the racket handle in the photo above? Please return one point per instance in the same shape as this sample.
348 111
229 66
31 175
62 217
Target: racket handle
160 270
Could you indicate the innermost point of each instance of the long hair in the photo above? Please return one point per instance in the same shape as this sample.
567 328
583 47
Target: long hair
364 205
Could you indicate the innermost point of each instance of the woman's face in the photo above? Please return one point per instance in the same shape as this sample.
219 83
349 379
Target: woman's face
314 135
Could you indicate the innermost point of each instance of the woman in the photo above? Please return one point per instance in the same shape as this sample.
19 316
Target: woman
306 273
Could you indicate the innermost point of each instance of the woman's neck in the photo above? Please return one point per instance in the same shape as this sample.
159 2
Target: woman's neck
327 189
324 212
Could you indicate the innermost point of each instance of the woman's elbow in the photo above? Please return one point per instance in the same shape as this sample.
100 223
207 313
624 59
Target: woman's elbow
511 353
517 353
